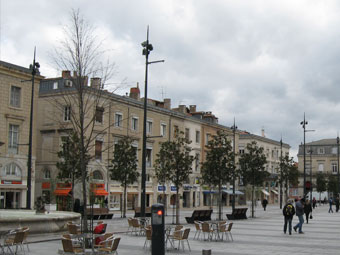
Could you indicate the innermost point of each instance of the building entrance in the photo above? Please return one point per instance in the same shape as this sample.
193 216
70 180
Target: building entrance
9 199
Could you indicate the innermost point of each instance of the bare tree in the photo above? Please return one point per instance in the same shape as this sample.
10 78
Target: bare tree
81 51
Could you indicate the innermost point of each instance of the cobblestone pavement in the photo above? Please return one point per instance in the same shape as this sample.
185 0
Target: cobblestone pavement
260 235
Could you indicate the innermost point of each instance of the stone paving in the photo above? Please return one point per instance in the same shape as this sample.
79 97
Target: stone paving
260 235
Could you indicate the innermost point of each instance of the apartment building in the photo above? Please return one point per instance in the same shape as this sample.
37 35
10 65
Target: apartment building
272 151
321 157
116 117
15 105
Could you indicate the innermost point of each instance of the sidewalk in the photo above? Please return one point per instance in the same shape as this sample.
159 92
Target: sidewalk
261 235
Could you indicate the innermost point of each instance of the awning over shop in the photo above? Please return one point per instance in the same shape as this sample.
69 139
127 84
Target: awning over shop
100 192
274 191
62 192
208 191
230 192
265 192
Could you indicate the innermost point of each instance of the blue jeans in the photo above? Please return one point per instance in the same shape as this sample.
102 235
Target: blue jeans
288 220
299 225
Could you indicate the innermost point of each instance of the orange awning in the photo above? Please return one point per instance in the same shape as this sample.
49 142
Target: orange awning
62 192
100 192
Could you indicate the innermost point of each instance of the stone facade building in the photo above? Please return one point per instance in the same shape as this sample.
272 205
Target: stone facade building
15 105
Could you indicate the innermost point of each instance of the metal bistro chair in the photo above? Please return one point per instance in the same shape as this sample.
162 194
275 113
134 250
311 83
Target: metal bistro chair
198 226
148 237
69 248
206 229
15 242
112 249
228 231
25 230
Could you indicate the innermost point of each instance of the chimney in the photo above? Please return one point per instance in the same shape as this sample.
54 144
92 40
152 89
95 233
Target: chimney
66 74
95 82
262 133
182 108
192 108
135 92
167 103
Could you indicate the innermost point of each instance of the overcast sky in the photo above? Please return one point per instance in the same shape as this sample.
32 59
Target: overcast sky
263 62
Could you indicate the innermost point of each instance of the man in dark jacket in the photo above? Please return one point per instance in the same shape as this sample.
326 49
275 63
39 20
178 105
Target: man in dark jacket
264 203
300 212
288 213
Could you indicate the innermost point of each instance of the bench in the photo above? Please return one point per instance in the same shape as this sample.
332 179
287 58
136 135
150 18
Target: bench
138 212
98 214
238 214
200 215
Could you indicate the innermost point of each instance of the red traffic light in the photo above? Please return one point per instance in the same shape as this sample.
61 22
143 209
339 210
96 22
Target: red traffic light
159 212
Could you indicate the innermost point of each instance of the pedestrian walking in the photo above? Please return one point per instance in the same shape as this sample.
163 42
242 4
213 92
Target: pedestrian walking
264 203
299 212
330 205
307 209
288 213
337 204
314 203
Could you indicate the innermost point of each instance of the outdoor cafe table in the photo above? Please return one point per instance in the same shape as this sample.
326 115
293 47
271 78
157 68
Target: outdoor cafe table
214 225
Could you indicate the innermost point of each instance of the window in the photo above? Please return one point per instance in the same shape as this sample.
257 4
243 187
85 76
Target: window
67 113
149 127
334 150
241 149
118 120
47 174
197 162
97 175
13 139
198 137
187 133
321 151
134 123
176 131
320 167
15 96
55 85
207 137
98 150
148 157
12 169
163 129
334 168
99 114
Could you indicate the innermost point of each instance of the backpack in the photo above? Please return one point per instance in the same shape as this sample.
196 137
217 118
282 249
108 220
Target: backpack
289 210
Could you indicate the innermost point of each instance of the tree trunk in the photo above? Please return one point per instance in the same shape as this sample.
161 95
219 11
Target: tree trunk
252 201
219 202
124 203
177 206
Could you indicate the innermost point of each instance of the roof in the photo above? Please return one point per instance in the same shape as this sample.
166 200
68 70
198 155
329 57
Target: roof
330 141
247 135
17 68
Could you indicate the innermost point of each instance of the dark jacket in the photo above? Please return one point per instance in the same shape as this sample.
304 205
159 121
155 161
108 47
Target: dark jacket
299 208
284 211
308 208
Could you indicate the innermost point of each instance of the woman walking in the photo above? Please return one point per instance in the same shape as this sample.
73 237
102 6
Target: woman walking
307 209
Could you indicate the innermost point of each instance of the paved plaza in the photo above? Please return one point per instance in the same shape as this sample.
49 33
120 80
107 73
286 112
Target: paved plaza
260 235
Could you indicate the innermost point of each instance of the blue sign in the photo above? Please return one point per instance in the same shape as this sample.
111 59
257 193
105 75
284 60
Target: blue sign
161 188
173 188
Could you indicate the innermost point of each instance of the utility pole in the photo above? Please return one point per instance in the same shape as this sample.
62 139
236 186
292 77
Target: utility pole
35 66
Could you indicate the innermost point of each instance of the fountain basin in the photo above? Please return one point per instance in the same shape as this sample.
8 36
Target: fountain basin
37 222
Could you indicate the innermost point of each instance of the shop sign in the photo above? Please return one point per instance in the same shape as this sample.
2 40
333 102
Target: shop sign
11 182
161 188
173 188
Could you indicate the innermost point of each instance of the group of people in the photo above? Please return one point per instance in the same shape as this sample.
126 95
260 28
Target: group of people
302 207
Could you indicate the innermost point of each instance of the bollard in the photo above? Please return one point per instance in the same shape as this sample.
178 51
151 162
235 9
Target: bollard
206 252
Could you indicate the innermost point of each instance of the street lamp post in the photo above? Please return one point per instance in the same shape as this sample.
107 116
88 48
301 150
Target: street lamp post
234 127
35 66
281 173
337 142
310 173
147 48
304 123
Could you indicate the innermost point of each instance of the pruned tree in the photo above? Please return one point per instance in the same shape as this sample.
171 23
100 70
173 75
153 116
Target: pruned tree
321 183
219 166
289 173
124 166
80 51
177 162
252 168
69 163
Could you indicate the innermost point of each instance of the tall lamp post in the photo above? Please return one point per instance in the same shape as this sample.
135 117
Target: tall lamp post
337 142
35 67
234 127
281 173
147 48
310 173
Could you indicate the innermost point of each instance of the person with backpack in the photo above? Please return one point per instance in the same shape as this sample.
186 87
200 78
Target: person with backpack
288 213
